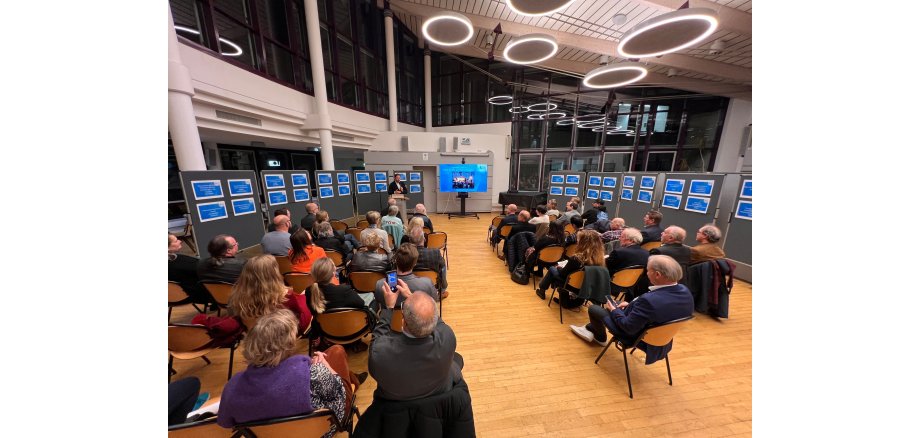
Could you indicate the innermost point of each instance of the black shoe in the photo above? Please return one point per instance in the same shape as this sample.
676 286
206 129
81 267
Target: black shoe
361 377
556 299
541 293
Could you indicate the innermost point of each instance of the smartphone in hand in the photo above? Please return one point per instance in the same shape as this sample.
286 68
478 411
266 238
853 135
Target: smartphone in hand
391 280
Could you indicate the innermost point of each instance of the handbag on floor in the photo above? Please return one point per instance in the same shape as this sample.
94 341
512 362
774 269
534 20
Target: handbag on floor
520 275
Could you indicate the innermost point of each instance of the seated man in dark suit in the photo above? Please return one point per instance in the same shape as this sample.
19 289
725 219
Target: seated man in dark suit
652 230
430 259
665 301
629 253
310 218
422 360
223 265
510 219
183 269
422 212
672 245
522 224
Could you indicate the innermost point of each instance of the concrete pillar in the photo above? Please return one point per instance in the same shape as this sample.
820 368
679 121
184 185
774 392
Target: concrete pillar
181 119
391 68
322 122
427 90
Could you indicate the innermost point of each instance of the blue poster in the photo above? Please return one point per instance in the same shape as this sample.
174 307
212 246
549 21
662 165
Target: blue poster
671 201
326 192
209 189
239 187
555 190
571 191
697 204
275 198
362 177
606 195
364 188
415 188
380 187
746 191
380 176
629 181
744 210
701 187
556 179
415 176
610 181
674 186
645 196
592 194
301 195
243 206
324 178
274 181
627 193
648 182
594 181
212 211
344 178
572 179
299 179
344 190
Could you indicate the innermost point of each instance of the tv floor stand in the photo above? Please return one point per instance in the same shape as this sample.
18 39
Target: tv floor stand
463 213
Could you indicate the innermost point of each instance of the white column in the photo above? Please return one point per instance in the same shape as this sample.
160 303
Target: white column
319 85
181 119
427 90
391 67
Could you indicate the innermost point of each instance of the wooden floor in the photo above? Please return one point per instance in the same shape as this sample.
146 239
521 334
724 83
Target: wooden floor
531 376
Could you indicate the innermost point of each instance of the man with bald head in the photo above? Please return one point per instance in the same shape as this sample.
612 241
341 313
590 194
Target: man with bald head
308 220
419 362
672 245
510 219
278 242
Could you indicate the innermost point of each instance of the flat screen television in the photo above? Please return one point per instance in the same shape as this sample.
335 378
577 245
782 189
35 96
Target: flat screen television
463 177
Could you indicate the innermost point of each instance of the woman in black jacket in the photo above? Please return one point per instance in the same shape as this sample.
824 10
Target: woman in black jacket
368 259
555 236
326 239
588 252
325 295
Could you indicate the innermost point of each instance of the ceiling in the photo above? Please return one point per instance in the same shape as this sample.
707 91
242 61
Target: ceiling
585 31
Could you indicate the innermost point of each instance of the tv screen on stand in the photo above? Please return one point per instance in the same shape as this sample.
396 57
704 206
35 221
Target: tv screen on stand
463 178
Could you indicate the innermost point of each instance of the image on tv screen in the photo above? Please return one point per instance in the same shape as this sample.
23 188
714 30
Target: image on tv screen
463 178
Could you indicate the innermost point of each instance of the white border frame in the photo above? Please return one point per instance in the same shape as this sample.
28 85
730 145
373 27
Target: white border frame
738 209
268 197
304 175
704 198
741 194
358 188
202 219
251 202
553 188
639 198
230 187
320 183
683 184
320 192
644 177
213 182
265 179
307 191
712 186
346 187
680 199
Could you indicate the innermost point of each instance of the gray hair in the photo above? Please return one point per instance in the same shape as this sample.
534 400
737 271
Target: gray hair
666 266
324 229
420 209
418 304
633 235
712 233
678 233
393 210
417 235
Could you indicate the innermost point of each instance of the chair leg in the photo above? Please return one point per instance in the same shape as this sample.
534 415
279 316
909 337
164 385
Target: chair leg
668 363
230 367
603 351
628 380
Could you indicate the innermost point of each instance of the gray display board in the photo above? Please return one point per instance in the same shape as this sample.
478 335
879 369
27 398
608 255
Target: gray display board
636 200
738 236
690 200
286 189
605 186
335 193
416 184
565 184
373 199
223 202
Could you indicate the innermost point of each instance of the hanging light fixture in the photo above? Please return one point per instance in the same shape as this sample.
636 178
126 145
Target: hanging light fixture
668 33
531 49
237 50
537 8
501 100
448 29
615 75
542 106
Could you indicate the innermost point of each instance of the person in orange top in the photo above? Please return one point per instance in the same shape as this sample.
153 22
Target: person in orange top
303 253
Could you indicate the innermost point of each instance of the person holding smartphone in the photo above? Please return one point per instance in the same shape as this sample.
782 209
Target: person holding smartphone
405 257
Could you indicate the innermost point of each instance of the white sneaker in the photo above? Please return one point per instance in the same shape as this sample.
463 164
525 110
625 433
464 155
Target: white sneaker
582 332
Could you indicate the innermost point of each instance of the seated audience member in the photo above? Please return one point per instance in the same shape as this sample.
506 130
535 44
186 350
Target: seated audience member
541 218
261 290
422 212
588 252
591 215
280 383
422 360
325 295
429 258
652 230
576 222
278 242
510 219
551 209
183 269
308 220
415 222
576 201
373 219
555 236
707 237
183 395
665 301
322 217
630 252
672 245
392 224
223 265
304 252
326 239
571 209
406 257
391 202
283 211
617 225
368 259
521 225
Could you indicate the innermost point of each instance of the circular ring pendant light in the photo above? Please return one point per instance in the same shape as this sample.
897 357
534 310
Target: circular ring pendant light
537 8
542 107
668 33
615 75
448 29
554 115
531 49
237 50
501 100
518 109
564 122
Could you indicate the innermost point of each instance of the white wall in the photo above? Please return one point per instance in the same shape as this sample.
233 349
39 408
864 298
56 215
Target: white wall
738 116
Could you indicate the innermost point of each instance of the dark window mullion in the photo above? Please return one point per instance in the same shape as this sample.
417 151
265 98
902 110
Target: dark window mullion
261 56
208 11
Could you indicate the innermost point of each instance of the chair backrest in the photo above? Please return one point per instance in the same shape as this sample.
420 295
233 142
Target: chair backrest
337 258
551 254
314 424
362 224
570 250
505 231
299 281
206 428
552 217
365 281
431 275
542 229
345 325
220 291
284 264
396 322
575 279
569 229
660 334
627 277
176 293
426 230
391 240
437 240
355 232
496 221
338 225
648 246
187 338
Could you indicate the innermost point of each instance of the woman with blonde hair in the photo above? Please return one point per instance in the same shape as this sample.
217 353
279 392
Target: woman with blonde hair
415 222
326 295
589 251
260 290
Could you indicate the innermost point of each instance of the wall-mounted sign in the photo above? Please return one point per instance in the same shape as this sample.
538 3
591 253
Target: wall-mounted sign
380 176
697 204
324 178
555 190
415 188
674 186
363 188
343 178
572 179
299 180
594 181
610 181
415 176
592 194
362 177
344 190
747 189
274 181
278 197
301 195
671 201
627 193
240 187
380 187
645 196
556 179
606 195
212 211
744 210
701 187
629 181
208 189
243 206
571 191
326 192
647 182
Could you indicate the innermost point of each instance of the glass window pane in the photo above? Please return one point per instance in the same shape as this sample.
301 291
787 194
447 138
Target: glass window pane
342 11
558 136
529 172
331 93
667 126
551 163
693 160
530 134
617 161
234 8
701 129
237 160
327 48
279 62
586 162
323 12
237 38
188 21
350 93
660 161
273 20
346 57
